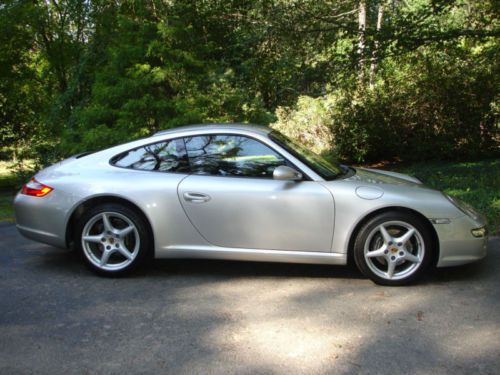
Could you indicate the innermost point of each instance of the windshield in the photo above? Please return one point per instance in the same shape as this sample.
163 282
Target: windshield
318 164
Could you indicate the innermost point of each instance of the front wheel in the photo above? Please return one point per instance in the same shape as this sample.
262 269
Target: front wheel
393 248
113 239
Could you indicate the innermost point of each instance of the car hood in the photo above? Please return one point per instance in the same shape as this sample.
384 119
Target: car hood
367 176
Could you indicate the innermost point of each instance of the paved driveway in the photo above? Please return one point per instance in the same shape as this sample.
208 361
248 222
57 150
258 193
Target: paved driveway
227 317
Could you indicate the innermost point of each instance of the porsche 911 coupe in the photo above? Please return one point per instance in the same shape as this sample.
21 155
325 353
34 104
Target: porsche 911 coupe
248 193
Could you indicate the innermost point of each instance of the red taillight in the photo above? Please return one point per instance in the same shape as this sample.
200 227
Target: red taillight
35 188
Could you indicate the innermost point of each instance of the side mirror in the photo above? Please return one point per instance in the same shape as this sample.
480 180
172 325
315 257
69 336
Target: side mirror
286 173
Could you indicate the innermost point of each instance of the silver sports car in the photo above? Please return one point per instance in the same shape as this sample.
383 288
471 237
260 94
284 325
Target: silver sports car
244 192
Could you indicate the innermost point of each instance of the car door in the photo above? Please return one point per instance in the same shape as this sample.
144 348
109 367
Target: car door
233 201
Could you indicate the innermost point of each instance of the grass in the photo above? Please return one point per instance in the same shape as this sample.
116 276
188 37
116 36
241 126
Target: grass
6 209
10 182
477 183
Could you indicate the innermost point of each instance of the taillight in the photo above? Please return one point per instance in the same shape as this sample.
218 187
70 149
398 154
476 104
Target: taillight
35 188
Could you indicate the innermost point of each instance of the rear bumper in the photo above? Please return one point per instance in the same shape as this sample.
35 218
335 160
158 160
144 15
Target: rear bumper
40 219
457 245
41 236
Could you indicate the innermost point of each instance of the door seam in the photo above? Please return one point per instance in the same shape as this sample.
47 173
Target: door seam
185 213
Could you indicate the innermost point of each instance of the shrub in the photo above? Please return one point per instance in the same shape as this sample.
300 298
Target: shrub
416 111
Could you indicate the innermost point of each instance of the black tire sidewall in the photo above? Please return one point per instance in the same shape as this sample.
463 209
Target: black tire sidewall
359 245
142 229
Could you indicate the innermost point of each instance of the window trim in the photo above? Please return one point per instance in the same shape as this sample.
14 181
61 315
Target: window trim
305 176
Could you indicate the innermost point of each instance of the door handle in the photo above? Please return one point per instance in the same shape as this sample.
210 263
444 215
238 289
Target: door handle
196 197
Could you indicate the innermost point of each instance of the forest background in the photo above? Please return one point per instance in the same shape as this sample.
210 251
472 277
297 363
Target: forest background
360 81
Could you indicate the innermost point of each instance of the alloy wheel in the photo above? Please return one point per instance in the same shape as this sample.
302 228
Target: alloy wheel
110 241
394 250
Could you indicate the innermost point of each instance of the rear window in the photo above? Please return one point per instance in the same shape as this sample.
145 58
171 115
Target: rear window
165 156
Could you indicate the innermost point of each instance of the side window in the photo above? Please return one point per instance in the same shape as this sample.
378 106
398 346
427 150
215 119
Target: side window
167 156
231 155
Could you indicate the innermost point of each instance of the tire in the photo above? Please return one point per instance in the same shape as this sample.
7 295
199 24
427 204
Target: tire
393 248
113 239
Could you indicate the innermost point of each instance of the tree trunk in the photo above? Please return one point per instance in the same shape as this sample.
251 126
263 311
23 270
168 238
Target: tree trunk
361 40
374 59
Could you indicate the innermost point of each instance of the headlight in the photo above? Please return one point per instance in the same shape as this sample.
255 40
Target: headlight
464 207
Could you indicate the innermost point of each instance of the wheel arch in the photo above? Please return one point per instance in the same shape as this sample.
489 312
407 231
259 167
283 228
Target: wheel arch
83 206
369 216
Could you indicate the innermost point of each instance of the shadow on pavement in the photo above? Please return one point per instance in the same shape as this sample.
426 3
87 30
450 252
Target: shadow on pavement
65 261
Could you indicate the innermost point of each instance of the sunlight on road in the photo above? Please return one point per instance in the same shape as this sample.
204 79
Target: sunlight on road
301 324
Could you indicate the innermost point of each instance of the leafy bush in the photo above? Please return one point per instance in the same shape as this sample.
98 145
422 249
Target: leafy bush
310 123
418 110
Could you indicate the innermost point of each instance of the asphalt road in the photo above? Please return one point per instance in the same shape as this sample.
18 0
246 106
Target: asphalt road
202 317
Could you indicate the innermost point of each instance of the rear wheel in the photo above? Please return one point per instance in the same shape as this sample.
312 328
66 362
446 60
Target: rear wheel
113 239
393 248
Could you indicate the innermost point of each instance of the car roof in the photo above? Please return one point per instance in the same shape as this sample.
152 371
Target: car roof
217 127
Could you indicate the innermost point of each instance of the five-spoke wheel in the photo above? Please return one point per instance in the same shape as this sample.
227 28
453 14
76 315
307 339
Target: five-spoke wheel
393 248
113 239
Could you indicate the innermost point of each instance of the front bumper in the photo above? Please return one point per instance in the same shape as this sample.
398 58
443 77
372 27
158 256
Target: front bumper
457 245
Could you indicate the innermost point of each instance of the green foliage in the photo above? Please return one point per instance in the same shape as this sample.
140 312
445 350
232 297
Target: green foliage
431 110
84 75
8 180
310 122
21 93
422 107
152 79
